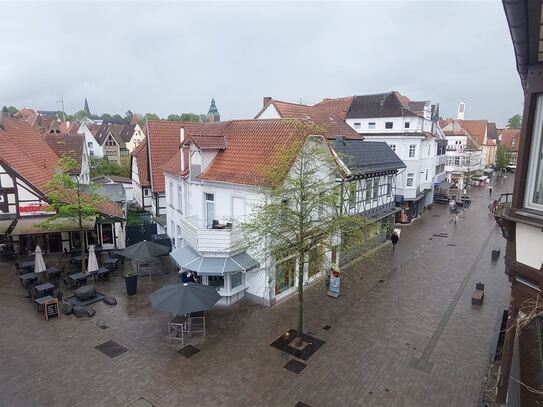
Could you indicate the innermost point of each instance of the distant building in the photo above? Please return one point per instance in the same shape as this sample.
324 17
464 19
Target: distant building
510 138
86 109
73 146
213 114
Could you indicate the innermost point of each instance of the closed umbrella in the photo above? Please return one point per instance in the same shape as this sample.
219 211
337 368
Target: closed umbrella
144 250
92 265
184 298
39 263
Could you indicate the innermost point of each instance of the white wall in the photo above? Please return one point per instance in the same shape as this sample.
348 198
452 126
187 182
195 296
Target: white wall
529 241
95 150
270 113
398 124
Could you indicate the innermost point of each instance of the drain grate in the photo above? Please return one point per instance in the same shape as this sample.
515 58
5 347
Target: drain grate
103 326
295 366
111 349
326 327
451 244
188 351
441 235
381 281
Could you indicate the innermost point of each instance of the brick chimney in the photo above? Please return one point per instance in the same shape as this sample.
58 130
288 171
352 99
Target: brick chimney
266 100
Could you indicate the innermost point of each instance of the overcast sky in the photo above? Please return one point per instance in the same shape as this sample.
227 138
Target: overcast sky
174 57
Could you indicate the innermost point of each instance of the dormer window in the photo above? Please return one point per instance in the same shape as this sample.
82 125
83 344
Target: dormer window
357 125
406 125
389 125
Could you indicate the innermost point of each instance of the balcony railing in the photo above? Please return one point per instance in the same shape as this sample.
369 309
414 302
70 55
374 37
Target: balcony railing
202 239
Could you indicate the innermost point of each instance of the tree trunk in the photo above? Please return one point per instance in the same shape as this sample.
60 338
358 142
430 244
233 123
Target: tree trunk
81 237
300 299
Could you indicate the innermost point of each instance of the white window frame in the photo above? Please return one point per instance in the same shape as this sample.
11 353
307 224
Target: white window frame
357 125
414 151
412 178
536 151
371 125
407 125
391 125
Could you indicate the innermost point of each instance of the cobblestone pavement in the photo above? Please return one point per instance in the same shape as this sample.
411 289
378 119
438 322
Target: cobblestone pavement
403 333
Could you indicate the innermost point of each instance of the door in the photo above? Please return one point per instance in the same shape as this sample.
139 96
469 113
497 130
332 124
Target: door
238 208
209 210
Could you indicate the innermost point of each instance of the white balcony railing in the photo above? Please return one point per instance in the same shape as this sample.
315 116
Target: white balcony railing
202 239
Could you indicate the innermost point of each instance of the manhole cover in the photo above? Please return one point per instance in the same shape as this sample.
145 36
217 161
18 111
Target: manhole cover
188 351
326 327
295 366
111 349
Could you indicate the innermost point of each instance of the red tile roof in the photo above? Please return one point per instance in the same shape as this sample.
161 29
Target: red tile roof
142 161
163 138
69 127
24 150
332 124
477 129
67 144
173 166
510 138
339 106
252 146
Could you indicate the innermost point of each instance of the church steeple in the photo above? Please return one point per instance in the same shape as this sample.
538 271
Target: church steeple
213 114
86 108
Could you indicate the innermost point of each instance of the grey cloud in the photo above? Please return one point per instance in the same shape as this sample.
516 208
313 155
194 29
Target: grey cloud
173 57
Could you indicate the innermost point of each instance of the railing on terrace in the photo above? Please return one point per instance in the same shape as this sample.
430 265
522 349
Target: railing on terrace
199 237
504 205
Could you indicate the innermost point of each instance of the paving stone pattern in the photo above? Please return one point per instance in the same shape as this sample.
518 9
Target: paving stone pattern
412 340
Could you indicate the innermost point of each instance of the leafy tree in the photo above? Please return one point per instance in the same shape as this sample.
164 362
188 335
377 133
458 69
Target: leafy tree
117 118
103 166
80 115
174 118
514 122
128 116
302 209
12 109
67 200
106 117
150 116
502 157
5 109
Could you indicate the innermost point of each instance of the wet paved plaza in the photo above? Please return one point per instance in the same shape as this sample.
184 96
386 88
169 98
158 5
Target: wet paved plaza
403 333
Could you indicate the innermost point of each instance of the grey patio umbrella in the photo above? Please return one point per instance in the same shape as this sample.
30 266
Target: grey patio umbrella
184 298
144 250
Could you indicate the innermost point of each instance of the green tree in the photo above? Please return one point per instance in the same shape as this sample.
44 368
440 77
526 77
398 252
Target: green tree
128 116
103 166
502 157
80 115
106 117
13 109
174 118
5 109
150 116
302 209
68 202
514 122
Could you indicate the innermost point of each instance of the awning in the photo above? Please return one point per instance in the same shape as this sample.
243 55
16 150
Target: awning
30 225
187 258
4 225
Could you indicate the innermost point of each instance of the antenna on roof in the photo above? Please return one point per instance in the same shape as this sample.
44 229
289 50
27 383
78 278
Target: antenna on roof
62 102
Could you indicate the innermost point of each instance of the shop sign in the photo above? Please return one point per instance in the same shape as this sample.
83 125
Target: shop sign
33 209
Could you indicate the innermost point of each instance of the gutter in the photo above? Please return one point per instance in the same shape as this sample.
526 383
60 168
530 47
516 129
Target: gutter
516 12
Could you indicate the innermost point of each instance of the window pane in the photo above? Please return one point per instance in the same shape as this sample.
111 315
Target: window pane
236 279
534 184
284 275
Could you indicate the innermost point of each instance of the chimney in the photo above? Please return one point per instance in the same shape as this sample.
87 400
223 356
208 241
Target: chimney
266 100
181 139
3 117
461 110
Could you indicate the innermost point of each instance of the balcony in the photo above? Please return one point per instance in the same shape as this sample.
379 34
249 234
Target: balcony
204 240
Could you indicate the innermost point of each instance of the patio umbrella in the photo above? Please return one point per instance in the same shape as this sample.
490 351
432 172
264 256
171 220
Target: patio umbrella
184 298
39 263
144 250
92 265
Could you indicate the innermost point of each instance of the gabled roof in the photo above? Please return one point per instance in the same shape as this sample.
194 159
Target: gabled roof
126 132
28 115
510 138
477 129
252 146
491 131
390 104
69 127
163 139
339 106
140 154
332 124
67 144
24 149
173 166
367 157
105 179
100 133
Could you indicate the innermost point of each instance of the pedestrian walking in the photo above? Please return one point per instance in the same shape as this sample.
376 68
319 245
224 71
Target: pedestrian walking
455 219
394 239
490 191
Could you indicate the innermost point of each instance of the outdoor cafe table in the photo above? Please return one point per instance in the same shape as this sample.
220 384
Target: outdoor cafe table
78 278
27 266
110 263
44 289
51 272
28 278
101 274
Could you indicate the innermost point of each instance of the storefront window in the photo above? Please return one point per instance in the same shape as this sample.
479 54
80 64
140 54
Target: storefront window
316 261
54 242
236 279
92 237
216 281
284 275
